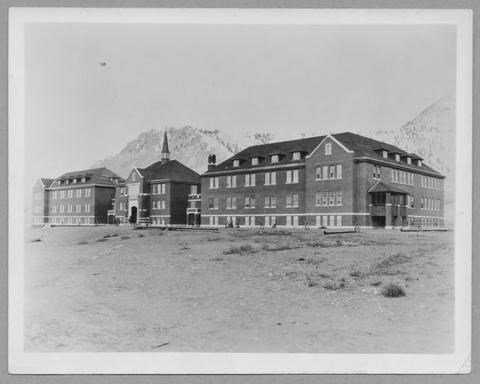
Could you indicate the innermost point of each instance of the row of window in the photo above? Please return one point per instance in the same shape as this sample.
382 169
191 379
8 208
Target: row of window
430 182
323 199
69 207
328 172
401 177
159 221
158 189
429 204
71 220
69 193
250 179
158 204
268 221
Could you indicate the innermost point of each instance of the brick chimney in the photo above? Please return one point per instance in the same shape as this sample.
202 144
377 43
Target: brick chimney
212 159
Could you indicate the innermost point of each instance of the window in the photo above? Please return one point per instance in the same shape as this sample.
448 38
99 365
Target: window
79 208
54 194
409 160
325 198
249 201
325 172
331 221
397 157
213 203
274 158
62 208
331 198
318 198
339 171
234 202
159 189
376 172
254 160
267 201
88 192
83 180
296 156
339 220
250 180
236 163
122 190
79 193
331 173
419 163
385 154
193 189
295 220
213 182
231 181
318 173
70 208
231 202
273 201
54 209
288 202
292 176
338 198
295 200
121 206
270 178
328 149
70 193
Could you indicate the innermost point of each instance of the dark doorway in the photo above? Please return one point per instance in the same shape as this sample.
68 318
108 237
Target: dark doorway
133 216
378 221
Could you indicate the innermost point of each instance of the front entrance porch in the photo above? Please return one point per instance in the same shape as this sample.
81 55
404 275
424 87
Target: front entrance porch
388 205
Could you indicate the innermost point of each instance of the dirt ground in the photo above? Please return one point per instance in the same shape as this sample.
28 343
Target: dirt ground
237 290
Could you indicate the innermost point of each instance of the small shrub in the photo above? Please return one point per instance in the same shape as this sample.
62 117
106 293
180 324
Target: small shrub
321 244
393 290
35 240
334 285
239 250
110 235
213 238
311 283
101 240
375 283
356 273
124 237
141 235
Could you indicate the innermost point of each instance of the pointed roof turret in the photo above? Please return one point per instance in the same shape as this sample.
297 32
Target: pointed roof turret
165 152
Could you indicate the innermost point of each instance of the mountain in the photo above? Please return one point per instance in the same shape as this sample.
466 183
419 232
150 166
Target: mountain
189 145
431 134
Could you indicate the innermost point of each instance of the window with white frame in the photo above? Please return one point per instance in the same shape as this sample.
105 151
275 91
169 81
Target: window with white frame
385 154
296 156
54 209
249 201
54 194
83 179
250 180
328 149
62 208
70 193
121 206
87 207
236 163
397 157
270 201
79 193
292 200
327 172
214 182
193 189
79 208
274 158
376 172
254 160
88 192
270 178
70 208
409 160
292 176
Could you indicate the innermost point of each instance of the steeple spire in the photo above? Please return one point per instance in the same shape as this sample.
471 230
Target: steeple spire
165 152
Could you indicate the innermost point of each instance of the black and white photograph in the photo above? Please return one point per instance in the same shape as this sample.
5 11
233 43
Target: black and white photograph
239 191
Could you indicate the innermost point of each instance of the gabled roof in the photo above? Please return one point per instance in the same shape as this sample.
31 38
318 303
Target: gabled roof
46 182
171 169
361 146
93 176
381 186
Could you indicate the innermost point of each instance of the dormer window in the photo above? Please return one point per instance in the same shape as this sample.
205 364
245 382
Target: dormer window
274 158
236 163
328 149
296 156
68 181
409 160
83 179
74 181
419 163
254 160
59 182
385 154
397 157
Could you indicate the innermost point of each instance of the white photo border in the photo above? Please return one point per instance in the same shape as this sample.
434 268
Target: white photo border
20 362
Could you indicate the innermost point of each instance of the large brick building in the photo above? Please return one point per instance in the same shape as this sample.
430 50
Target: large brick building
75 198
159 194
335 180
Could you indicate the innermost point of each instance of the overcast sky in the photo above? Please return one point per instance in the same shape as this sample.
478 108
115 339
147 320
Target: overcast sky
238 79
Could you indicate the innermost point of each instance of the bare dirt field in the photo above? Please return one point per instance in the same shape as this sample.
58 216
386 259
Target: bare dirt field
237 290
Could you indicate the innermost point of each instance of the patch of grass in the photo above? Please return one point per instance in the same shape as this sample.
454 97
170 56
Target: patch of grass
322 244
279 247
334 285
315 261
393 290
82 242
101 240
110 235
242 249
388 264
213 239
356 274
124 237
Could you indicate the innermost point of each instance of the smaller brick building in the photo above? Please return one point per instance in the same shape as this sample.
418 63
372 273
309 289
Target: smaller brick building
75 198
158 194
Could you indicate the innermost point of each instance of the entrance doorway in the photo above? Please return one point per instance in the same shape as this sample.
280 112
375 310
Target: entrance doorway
133 215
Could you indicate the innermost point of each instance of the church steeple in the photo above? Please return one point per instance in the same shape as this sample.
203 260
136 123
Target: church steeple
165 152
